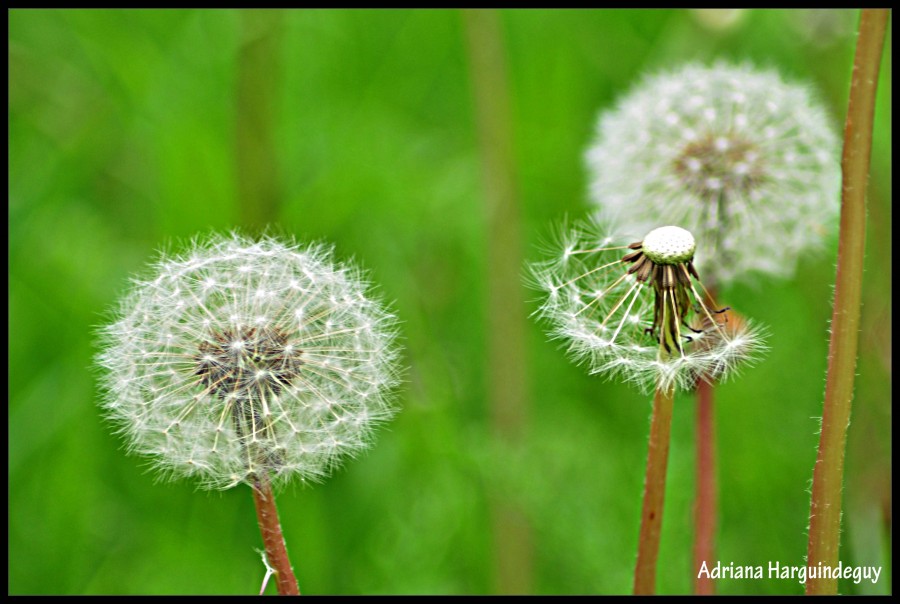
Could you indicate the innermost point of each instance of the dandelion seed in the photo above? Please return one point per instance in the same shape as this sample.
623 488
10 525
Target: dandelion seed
639 312
745 161
244 360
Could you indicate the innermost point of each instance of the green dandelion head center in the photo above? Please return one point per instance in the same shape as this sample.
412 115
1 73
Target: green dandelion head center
669 245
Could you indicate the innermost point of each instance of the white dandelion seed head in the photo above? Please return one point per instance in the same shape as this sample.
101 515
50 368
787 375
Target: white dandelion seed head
669 245
606 315
243 358
745 161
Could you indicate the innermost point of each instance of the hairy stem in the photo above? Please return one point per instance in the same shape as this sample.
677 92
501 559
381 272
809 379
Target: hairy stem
273 540
825 506
654 492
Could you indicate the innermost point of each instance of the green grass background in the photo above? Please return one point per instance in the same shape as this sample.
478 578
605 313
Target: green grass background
122 141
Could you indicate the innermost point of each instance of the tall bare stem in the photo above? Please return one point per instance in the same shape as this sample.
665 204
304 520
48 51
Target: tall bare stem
825 506
654 492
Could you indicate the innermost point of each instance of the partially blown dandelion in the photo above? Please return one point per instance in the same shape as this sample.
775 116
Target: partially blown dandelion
241 361
745 161
741 158
637 310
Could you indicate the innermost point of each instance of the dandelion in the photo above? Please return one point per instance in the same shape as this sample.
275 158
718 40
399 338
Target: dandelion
250 362
638 311
742 159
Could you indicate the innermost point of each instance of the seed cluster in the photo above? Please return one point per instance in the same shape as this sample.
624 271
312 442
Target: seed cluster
631 316
243 358
744 160
668 245
248 364
720 164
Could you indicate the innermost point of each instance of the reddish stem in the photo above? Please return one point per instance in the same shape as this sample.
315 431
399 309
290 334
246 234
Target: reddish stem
828 474
654 492
706 504
273 540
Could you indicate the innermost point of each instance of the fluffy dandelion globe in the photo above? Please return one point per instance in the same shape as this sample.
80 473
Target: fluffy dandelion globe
243 360
638 311
744 160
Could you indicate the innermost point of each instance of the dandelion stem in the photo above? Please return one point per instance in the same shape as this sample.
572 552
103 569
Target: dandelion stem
273 540
705 505
654 491
825 505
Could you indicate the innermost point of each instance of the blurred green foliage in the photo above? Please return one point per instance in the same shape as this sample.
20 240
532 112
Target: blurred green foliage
122 141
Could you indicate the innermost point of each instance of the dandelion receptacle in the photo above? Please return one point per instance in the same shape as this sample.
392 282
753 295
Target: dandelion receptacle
638 310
